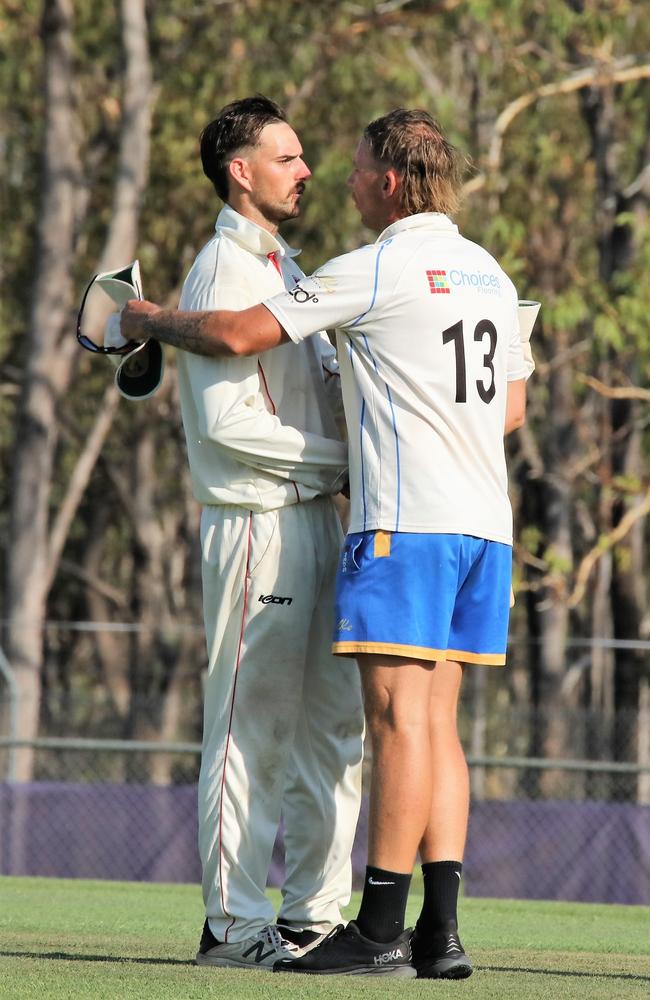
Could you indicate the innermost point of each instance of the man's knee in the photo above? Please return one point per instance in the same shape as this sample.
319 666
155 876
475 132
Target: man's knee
393 709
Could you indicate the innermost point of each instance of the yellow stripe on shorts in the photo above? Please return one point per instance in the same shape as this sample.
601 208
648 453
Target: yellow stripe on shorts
382 544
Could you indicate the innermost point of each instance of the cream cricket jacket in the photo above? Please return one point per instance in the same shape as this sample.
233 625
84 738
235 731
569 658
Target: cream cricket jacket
261 431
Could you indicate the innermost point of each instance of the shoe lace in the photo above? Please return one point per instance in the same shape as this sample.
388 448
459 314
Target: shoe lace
274 939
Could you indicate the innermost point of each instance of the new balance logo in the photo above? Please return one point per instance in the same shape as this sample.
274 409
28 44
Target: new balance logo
388 956
260 953
272 599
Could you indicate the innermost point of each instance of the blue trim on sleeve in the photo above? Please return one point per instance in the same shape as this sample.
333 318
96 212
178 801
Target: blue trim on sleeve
376 285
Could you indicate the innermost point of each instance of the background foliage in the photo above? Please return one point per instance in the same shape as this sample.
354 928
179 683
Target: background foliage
558 190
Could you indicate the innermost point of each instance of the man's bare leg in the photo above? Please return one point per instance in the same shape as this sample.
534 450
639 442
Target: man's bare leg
410 713
396 700
446 829
437 950
397 694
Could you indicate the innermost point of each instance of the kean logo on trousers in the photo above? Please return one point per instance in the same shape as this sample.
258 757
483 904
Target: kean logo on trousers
272 599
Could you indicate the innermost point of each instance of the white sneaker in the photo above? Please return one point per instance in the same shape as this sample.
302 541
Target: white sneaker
260 951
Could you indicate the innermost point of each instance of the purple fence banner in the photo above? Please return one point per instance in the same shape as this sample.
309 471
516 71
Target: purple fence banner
583 851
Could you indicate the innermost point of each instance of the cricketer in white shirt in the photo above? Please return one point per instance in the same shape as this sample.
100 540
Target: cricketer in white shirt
283 719
428 338
261 431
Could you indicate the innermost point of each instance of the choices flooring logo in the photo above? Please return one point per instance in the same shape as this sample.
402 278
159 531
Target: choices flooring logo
438 283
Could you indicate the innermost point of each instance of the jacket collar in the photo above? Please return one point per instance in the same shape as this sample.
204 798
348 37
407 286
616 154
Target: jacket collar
423 220
250 236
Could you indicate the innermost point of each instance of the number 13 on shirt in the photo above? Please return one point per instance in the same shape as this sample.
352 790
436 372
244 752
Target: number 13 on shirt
455 333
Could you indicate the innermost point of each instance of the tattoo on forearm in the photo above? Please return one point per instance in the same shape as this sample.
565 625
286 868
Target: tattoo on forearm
183 330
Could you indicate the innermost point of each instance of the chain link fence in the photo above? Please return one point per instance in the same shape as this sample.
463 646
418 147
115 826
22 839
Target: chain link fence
98 805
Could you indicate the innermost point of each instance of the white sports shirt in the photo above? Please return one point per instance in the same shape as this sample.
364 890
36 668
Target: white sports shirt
261 431
428 337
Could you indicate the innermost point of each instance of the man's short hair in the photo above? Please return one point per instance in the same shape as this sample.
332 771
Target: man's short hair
412 143
236 126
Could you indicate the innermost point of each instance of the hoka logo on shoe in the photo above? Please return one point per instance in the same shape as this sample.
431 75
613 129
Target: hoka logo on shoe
388 956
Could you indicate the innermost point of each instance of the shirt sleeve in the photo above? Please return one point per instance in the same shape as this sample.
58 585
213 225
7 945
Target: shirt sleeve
517 368
231 409
336 296
326 353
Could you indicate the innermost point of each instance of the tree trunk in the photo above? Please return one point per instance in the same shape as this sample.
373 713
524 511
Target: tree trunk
52 351
643 748
628 598
46 376
109 648
629 589
135 138
552 729
617 250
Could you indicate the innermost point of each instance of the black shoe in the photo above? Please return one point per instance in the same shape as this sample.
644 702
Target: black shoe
439 955
208 940
304 940
345 952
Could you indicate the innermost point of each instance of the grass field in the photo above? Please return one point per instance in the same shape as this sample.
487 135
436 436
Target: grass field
68 939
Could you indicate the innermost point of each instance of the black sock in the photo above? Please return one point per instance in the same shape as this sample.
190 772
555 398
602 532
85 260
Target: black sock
441 885
383 905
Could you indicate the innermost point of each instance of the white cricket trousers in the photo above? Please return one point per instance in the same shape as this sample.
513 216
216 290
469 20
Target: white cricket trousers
283 719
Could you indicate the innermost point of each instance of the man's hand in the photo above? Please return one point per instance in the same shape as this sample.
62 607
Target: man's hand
133 319
136 364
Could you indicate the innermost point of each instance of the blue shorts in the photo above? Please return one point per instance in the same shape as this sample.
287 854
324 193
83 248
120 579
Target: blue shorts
425 596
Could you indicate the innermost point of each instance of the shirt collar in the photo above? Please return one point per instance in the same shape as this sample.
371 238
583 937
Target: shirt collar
250 236
423 220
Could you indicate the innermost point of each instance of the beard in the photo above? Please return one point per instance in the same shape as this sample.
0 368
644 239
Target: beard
277 211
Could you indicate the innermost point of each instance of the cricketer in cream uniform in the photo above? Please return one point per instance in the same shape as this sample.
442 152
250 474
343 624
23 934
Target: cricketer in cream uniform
428 337
283 718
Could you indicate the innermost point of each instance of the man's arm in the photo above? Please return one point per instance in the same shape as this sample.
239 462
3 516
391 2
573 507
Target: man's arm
338 293
228 404
211 334
515 405
520 363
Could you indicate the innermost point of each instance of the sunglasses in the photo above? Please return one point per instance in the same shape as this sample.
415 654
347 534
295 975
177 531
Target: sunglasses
89 344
